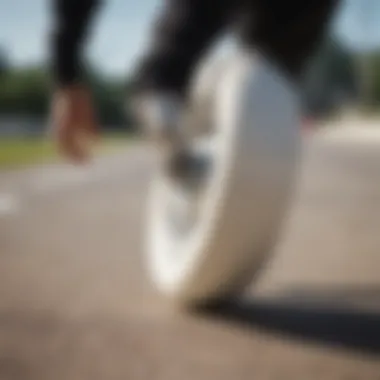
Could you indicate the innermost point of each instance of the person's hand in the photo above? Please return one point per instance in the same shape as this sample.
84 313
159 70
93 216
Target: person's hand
73 122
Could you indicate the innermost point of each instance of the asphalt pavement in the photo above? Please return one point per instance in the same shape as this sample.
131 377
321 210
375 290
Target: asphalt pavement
75 303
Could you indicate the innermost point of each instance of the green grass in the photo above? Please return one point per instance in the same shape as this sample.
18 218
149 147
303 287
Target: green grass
21 152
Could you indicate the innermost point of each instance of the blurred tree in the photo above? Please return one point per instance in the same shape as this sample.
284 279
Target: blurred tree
111 98
26 90
4 63
331 80
375 76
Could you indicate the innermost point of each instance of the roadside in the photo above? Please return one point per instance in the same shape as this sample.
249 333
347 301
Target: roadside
352 129
18 153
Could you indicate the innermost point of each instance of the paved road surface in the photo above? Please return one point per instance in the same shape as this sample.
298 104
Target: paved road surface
74 302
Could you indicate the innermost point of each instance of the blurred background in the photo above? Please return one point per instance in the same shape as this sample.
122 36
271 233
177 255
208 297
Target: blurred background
75 300
345 74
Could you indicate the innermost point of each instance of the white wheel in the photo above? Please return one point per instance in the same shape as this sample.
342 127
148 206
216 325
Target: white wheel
208 239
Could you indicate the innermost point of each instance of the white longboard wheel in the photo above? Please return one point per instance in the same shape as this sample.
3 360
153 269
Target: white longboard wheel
208 235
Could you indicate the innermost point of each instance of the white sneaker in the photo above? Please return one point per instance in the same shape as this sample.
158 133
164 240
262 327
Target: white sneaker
160 115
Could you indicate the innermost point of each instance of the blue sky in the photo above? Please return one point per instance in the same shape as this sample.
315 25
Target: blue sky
122 29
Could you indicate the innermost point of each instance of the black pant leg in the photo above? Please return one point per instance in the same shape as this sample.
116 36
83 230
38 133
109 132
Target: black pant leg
71 20
183 31
287 32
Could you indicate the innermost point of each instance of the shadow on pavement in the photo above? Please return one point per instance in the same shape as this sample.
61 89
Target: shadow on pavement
329 317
